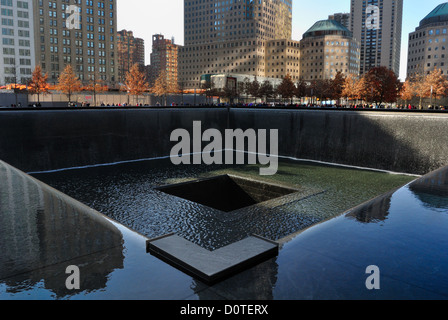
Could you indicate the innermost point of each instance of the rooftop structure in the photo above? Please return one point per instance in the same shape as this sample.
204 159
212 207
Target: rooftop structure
439 14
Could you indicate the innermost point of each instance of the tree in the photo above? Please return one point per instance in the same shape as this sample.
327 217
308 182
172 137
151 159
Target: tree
322 89
163 85
95 86
266 89
136 82
301 89
337 85
38 83
436 84
419 87
68 82
362 89
209 90
246 86
241 89
253 88
350 88
228 92
286 88
382 85
407 91
160 86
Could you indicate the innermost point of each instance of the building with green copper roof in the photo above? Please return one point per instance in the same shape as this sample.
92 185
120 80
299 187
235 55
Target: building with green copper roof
439 14
327 48
327 27
428 44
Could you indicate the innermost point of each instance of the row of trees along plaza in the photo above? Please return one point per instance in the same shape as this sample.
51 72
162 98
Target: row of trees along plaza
69 84
379 86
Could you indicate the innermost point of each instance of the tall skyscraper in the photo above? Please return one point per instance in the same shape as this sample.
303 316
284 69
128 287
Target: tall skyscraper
17 44
130 50
230 36
80 33
428 46
378 26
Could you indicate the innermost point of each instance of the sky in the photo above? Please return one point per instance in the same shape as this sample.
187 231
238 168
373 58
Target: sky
148 17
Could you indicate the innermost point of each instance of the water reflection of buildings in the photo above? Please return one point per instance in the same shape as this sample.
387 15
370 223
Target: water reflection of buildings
374 211
432 190
43 231
256 282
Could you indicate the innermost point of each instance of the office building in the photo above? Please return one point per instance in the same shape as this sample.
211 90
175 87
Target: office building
327 48
164 58
428 44
282 58
342 18
17 44
80 33
230 36
377 24
130 50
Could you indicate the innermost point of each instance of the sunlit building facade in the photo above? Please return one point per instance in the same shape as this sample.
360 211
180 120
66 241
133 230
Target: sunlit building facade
327 48
130 50
164 60
282 58
230 36
377 24
428 44
17 44
79 33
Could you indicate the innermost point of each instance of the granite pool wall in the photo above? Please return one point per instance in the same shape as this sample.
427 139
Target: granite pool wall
39 140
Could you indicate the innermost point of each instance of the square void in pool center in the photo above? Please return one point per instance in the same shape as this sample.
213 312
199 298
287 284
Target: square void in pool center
227 192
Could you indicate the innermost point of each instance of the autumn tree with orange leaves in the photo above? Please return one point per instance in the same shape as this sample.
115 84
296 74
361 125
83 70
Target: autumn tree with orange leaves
349 88
379 85
436 85
95 86
38 83
407 91
136 83
164 85
68 82
433 85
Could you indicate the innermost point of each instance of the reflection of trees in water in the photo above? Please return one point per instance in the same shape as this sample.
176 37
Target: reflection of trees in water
43 231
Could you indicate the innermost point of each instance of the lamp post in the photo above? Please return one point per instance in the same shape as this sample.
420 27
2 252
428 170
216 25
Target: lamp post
430 99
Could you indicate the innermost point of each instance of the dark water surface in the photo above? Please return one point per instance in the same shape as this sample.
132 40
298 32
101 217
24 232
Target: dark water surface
126 193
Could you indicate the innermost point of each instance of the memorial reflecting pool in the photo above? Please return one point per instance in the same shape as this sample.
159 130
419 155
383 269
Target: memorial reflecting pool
128 193
327 224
